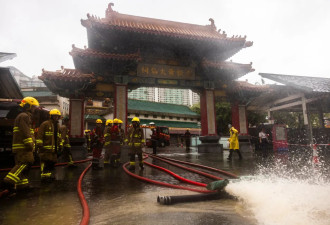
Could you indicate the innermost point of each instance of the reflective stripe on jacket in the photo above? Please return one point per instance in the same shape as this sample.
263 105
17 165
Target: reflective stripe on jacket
23 134
135 137
45 137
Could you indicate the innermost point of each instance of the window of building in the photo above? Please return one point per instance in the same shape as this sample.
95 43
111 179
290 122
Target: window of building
185 118
191 119
146 115
154 116
178 118
128 114
171 117
163 117
137 115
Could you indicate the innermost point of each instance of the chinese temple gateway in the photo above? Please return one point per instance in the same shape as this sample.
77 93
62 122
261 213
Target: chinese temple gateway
126 52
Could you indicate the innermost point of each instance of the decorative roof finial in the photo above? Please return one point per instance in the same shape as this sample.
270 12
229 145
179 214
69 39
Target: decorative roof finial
212 24
109 10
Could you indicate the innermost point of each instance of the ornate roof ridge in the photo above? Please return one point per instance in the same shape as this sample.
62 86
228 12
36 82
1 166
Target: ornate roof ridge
93 52
117 20
66 74
220 64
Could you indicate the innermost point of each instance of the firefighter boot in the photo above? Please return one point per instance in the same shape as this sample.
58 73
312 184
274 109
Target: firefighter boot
132 166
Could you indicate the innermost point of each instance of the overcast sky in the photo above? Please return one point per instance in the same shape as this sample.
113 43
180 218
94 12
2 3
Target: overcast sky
290 36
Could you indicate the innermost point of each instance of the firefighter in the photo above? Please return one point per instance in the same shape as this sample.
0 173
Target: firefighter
49 144
154 139
135 140
115 139
233 143
122 139
23 146
187 137
88 140
64 130
97 141
107 130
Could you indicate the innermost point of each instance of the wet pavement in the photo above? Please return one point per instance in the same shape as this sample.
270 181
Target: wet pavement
116 198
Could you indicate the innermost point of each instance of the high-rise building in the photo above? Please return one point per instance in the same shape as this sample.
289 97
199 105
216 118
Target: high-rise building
143 93
165 95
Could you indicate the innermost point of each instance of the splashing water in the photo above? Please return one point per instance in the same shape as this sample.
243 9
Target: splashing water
294 194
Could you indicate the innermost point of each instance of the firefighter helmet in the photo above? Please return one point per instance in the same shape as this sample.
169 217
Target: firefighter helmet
108 121
87 131
55 112
98 121
29 100
120 121
115 120
135 119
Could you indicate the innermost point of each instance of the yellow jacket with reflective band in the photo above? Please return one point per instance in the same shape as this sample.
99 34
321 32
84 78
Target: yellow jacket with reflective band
45 137
23 134
107 135
64 130
122 135
233 140
135 137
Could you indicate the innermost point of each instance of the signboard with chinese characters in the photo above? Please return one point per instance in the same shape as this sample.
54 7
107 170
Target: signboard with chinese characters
165 71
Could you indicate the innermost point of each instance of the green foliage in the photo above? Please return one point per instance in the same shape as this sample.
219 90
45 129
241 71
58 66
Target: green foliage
289 118
223 117
196 108
255 118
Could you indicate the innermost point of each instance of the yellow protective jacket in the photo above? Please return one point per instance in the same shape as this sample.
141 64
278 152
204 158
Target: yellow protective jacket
135 137
23 134
45 137
122 136
107 136
64 130
233 140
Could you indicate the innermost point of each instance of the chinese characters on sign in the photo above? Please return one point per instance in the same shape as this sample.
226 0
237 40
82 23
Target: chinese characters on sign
166 72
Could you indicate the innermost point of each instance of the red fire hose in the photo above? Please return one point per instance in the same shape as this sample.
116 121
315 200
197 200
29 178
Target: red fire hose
176 176
162 183
187 168
197 165
84 205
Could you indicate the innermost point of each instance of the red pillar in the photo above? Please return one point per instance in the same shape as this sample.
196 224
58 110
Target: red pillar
208 121
120 103
239 118
77 113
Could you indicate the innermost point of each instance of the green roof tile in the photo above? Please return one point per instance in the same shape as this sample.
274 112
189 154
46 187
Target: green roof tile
170 123
159 107
94 117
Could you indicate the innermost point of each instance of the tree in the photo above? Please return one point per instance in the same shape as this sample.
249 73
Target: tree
223 117
196 108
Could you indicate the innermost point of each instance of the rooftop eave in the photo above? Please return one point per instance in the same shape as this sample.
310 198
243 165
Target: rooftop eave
91 53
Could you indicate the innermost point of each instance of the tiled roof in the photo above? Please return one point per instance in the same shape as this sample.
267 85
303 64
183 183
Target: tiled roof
170 123
245 86
88 52
115 20
159 107
70 75
315 84
38 93
94 117
240 69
